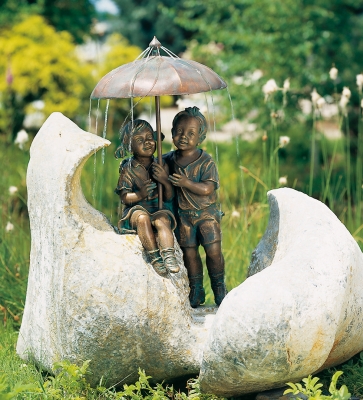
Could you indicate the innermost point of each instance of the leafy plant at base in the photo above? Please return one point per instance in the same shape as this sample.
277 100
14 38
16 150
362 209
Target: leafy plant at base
313 392
68 379
5 394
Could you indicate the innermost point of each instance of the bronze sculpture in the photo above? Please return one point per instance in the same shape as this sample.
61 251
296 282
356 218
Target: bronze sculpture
195 176
137 190
155 75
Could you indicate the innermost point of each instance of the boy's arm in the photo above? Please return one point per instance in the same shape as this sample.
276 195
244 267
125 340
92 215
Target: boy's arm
199 188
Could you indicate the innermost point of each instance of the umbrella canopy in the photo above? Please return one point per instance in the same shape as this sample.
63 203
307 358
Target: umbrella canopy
157 75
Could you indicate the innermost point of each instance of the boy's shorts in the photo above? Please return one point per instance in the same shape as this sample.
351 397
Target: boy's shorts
197 227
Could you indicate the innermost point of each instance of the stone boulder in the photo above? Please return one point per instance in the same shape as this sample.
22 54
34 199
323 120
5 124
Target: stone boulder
300 310
91 294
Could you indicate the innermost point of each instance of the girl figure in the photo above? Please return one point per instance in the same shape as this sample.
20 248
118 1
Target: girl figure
138 192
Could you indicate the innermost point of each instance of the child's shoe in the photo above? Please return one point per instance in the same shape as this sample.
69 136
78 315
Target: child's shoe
170 261
157 262
218 287
196 294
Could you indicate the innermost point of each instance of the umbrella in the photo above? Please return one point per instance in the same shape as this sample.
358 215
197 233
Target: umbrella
152 74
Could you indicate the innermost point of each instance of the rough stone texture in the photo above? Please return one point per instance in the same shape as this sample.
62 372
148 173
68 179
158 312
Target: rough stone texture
301 314
91 293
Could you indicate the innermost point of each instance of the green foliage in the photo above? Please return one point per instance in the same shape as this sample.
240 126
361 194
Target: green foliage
281 38
6 394
14 244
312 390
13 11
44 66
141 20
75 17
64 15
352 375
69 382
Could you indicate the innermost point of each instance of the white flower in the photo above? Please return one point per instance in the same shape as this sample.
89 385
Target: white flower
315 96
13 190
306 106
269 87
256 75
283 180
21 138
333 73
238 80
346 92
343 102
360 81
38 104
235 214
320 102
361 103
286 84
283 141
9 227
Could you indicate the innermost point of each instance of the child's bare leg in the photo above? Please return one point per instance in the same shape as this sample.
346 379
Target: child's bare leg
165 234
145 231
166 240
194 266
147 238
215 266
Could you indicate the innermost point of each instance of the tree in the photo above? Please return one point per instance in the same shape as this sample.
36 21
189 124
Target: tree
73 16
144 19
68 15
296 39
40 64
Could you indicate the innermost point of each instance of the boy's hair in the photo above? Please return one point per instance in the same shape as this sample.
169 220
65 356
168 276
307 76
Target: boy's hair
129 130
195 113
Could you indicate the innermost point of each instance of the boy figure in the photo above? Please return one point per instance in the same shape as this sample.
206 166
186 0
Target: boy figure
195 175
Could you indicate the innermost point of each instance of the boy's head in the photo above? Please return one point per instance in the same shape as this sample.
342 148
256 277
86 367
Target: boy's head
129 130
192 112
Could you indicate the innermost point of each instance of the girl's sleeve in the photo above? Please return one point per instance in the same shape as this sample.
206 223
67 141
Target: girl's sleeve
124 184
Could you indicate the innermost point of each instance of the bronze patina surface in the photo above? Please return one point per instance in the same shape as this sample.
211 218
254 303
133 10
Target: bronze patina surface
157 76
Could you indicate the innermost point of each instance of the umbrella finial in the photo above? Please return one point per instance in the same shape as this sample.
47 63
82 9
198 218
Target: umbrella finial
155 43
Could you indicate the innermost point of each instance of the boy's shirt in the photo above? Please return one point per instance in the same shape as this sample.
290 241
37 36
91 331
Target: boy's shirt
203 169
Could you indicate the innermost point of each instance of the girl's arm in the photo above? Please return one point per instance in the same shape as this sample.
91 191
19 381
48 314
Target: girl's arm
131 198
161 174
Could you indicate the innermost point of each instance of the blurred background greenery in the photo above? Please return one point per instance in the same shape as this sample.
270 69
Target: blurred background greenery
298 120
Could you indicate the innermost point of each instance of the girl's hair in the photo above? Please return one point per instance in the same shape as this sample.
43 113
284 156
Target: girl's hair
129 130
195 113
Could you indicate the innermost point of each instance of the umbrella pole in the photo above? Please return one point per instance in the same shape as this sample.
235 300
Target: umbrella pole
159 148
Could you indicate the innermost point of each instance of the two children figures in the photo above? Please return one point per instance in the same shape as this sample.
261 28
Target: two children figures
189 178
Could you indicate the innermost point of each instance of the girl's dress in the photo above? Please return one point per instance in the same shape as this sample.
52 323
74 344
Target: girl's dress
133 176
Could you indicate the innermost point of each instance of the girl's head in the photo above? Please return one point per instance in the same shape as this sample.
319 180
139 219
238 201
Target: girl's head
133 129
192 112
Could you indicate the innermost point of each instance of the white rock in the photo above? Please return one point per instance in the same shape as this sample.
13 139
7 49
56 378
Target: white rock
301 314
91 294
